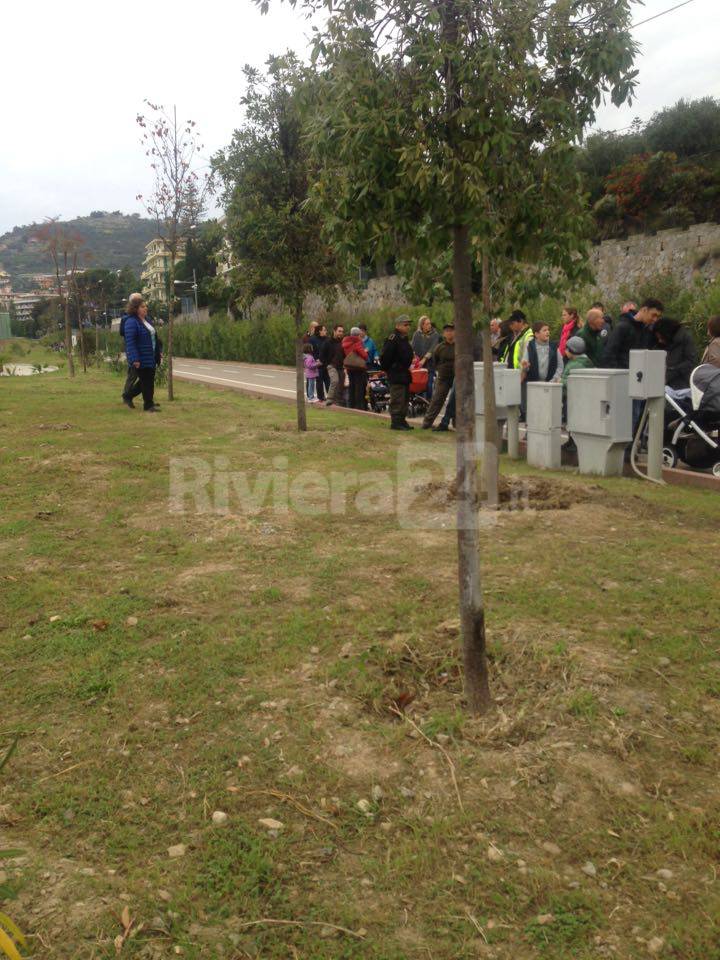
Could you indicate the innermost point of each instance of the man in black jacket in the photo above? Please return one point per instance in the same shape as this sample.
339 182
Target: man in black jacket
632 332
332 356
681 350
396 359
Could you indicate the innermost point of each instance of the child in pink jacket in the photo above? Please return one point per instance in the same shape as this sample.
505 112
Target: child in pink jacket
311 372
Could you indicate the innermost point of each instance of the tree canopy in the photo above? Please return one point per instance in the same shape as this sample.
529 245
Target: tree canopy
683 140
276 238
273 234
402 160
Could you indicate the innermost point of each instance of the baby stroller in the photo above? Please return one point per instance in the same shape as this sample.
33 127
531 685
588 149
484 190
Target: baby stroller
692 422
417 407
378 391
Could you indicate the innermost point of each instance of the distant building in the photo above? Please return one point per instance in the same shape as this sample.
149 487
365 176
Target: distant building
5 291
156 267
5 285
40 281
24 303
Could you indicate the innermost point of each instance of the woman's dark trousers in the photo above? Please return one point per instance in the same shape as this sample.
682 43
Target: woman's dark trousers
130 382
145 385
358 385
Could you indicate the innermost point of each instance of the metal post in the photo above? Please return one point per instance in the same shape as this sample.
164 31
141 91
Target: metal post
513 432
656 428
196 298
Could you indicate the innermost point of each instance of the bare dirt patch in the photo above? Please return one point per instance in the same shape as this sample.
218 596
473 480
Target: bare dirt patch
520 493
355 753
203 570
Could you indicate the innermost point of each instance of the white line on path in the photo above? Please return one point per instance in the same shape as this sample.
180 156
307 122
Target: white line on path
239 383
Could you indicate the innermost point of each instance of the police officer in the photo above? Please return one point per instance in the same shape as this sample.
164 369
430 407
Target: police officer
396 359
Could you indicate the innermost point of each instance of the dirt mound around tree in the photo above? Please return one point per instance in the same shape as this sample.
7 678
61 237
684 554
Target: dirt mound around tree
539 493
521 493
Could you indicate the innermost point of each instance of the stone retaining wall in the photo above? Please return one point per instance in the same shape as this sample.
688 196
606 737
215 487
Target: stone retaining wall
685 254
617 264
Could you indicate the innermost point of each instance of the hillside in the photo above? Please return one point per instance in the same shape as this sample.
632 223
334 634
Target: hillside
112 240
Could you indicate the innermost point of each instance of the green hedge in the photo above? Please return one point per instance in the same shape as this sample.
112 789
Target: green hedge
270 338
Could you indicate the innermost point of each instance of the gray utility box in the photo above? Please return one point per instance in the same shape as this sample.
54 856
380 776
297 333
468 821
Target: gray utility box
507 404
544 420
507 389
647 374
600 418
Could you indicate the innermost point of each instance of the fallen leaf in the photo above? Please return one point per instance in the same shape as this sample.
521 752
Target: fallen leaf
100 624
7 817
403 700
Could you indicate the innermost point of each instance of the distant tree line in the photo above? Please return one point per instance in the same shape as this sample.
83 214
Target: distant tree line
663 174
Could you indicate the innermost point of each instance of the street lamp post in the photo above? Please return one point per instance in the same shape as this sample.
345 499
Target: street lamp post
194 285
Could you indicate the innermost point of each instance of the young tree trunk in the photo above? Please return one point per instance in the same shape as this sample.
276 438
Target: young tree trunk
300 370
491 444
472 613
81 334
171 323
97 334
68 338
81 341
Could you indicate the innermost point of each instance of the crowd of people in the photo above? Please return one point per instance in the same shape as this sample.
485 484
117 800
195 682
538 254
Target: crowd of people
338 360
337 365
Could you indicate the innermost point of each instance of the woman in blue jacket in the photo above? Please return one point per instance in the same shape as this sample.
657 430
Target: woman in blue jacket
142 348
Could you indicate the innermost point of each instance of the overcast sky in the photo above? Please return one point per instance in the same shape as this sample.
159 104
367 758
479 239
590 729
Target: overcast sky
74 76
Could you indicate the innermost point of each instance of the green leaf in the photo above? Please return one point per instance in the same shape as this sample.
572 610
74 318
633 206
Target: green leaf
11 750
12 929
7 947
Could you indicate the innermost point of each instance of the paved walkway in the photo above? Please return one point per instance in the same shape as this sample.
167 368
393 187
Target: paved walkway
252 378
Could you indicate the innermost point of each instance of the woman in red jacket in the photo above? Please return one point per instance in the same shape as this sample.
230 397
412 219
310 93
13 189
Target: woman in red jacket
572 325
355 363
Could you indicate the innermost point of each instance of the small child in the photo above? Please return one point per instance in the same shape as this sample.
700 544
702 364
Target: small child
311 372
577 359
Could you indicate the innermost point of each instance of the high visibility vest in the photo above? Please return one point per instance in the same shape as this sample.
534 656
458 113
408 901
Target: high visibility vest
517 348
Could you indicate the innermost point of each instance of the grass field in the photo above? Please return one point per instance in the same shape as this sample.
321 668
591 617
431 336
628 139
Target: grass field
161 666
